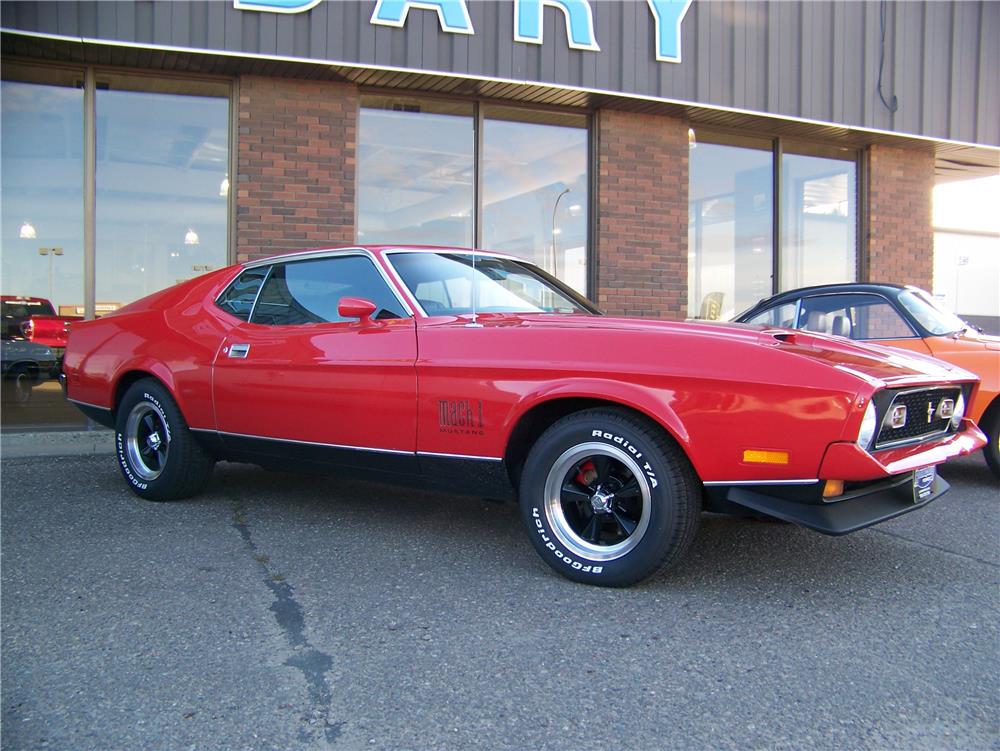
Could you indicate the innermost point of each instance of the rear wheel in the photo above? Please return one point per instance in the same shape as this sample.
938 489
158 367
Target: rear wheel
158 456
608 499
17 385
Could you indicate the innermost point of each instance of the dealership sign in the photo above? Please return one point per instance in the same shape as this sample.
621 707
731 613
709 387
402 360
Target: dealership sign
453 16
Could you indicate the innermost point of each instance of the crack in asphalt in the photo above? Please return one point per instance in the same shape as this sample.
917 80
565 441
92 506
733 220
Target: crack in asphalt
311 662
922 544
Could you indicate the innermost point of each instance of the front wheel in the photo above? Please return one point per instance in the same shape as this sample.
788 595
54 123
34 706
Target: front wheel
608 499
158 456
991 450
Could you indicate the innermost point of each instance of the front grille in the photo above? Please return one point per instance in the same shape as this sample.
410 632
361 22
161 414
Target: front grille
922 418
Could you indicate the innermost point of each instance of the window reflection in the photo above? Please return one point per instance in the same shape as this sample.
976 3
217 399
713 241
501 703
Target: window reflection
818 221
42 248
535 192
415 172
160 216
729 229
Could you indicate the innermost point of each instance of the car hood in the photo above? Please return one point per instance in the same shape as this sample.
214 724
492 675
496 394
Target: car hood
874 364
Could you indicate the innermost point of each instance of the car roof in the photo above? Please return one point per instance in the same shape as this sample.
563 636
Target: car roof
827 289
379 250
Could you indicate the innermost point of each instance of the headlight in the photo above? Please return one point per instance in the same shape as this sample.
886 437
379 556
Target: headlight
868 426
956 417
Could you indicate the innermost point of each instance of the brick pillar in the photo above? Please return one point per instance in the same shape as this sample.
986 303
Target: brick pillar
900 229
296 165
642 215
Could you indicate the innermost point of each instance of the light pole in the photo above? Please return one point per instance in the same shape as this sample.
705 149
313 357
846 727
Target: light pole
554 207
50 252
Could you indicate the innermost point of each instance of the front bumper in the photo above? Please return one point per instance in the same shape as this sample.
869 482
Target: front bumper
848 461
849 513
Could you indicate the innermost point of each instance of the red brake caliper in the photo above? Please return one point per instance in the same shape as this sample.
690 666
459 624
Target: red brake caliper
587 473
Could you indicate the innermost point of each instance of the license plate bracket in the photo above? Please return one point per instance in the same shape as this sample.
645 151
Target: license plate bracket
923 483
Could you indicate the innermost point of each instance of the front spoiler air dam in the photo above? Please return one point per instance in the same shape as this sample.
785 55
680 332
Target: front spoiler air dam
842 517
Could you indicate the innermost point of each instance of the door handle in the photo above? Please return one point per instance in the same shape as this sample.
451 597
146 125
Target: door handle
239 351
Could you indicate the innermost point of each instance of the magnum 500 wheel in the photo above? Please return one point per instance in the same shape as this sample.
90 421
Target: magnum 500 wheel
608 499
158 456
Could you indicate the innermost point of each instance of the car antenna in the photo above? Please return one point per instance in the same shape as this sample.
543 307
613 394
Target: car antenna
474 323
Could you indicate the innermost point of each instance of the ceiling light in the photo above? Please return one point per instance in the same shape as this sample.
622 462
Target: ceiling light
191 238
692 141
28 231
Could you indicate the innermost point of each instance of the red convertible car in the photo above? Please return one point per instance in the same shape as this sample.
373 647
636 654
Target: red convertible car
481 373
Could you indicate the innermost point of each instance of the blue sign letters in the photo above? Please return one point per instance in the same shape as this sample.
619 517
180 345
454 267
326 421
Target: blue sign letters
579 22
452 14
276 6
668 15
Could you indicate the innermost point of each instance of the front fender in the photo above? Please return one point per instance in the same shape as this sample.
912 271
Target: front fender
653 402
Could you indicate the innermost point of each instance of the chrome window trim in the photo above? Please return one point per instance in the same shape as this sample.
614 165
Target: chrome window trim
230 283
403 286
253 308
311 255
468 251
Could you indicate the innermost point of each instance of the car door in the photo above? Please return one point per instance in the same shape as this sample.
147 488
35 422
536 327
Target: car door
297 380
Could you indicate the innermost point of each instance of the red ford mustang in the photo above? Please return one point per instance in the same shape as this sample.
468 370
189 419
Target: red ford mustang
483 374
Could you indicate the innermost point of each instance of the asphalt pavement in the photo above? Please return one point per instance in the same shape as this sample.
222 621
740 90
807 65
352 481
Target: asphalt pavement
284 612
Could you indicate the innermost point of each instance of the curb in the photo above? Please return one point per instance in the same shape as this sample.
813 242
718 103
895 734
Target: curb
69 443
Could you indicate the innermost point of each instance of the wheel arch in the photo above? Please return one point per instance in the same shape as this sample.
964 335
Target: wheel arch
537 418
28 366
136 374
991 412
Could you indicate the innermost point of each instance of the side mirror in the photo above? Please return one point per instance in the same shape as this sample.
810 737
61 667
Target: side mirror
356 307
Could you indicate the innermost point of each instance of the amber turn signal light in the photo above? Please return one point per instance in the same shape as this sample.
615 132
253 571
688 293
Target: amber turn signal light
760 456
832 488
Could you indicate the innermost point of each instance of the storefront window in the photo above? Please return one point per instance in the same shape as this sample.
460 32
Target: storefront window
729 231
535 191
415 172
161 212
733 256
162 188
418 169
818 215
42 246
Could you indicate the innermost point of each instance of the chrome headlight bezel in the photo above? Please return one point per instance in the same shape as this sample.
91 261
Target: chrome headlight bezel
869 426
959 413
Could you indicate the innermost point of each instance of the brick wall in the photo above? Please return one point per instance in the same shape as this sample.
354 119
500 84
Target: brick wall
642 215
296 165
900 228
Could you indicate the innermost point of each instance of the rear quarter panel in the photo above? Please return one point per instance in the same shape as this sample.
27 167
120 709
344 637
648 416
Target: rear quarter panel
173 335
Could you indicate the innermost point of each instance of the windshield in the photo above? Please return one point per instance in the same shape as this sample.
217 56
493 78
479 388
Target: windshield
929 314
26 308
444 284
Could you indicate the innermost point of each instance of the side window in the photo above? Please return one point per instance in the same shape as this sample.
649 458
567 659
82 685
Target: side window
239 296
857 316
779 315
310 291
